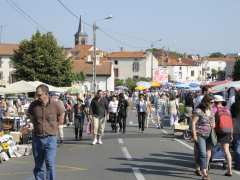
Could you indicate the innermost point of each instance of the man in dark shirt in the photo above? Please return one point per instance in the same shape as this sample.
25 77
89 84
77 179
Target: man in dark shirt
46 115
98 110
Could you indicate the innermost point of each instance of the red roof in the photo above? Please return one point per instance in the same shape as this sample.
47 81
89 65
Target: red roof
8 49
127 54
80 54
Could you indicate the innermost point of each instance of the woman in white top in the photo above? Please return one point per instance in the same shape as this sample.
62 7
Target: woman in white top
173 110
112 109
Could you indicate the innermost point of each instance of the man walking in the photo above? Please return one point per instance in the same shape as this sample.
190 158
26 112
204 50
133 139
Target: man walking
98 110
46 115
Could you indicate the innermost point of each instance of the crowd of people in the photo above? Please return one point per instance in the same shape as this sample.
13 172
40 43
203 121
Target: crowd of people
211 118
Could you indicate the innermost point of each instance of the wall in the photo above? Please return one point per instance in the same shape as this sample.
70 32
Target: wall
5 69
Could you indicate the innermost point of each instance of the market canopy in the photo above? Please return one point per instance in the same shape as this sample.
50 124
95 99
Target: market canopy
144 84
155 84
26 87
140 88
216 83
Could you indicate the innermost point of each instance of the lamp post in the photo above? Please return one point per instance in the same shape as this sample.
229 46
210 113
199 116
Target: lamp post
94 51
159 40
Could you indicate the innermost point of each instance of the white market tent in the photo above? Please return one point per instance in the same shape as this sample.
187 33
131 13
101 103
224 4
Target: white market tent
26 87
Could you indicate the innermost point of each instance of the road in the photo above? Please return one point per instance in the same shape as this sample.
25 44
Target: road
153 155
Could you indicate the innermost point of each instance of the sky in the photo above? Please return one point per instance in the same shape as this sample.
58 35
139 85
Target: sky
190 26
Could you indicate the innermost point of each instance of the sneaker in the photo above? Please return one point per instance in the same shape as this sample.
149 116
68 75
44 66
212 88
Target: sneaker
100 141
94 142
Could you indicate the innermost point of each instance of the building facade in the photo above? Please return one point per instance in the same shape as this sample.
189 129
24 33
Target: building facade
6 67
133 64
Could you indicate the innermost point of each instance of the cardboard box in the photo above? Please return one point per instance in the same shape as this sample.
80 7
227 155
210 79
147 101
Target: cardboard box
16 136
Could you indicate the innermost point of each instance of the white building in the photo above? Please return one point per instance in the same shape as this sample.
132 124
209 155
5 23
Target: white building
133 64
182 69
6 67
218 64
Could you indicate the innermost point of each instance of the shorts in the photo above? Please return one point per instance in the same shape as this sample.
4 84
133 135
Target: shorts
224 138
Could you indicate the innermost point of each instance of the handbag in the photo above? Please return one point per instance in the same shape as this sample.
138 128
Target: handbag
213 137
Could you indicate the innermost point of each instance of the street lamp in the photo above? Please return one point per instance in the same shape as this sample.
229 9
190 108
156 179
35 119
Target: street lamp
152 45
94 51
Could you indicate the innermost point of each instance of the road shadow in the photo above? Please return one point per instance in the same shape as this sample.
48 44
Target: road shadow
172 164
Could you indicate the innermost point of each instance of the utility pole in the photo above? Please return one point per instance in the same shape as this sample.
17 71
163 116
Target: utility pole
94 85
94 57
1 33
152 62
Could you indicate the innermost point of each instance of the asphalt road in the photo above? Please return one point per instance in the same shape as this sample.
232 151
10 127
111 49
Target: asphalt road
153 155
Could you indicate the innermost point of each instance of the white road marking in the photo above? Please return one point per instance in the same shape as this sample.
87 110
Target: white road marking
136 171
236 172
120 141
130 123
164 131
185 144
126 153
138 174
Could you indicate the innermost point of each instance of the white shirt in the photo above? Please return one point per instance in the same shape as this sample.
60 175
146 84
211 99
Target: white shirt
112 107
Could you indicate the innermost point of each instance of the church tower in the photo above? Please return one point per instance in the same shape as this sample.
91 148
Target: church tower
80 36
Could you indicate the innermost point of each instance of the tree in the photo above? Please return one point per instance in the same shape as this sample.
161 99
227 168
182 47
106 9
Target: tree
79 77
40 58
131 83
216 55
221 75
236 70
214 74
119 82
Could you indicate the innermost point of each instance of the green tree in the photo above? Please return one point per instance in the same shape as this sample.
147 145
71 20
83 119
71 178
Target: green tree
236 70
131 83
214 73
40 58
221 75
216 55
79 77
119 82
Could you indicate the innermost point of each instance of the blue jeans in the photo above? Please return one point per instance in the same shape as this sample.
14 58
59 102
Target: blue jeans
44 151
203 143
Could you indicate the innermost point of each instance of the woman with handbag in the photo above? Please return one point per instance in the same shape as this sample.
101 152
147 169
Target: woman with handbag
203 122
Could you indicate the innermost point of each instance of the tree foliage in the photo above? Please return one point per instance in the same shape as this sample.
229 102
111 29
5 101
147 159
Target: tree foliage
216 55
119 82
40 58
236 70
79 77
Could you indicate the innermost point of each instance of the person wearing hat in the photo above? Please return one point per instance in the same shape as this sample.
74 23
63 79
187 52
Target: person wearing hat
224 137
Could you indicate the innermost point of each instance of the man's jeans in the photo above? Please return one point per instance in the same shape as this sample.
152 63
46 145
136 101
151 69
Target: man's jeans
44 150
202 144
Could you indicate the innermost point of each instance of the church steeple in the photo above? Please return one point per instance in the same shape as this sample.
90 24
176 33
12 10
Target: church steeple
80 36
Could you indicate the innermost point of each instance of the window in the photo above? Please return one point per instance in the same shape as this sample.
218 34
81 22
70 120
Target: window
1 75
1 62
135 77
192 73
135 67
12 77
11 64
115 72
116 62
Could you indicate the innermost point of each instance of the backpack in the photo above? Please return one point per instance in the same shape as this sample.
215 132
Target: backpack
224 122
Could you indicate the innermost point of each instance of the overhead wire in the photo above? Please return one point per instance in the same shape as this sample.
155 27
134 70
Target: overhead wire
100 29
22 12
